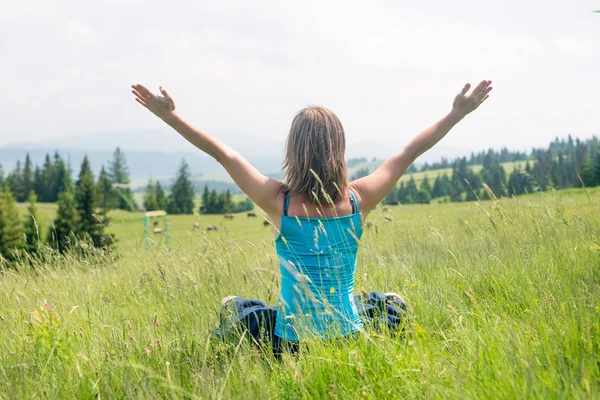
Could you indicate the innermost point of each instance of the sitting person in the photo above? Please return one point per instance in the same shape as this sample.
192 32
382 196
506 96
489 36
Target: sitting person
316 213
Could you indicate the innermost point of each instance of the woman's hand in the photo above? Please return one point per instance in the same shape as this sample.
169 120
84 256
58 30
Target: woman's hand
464 104
161 106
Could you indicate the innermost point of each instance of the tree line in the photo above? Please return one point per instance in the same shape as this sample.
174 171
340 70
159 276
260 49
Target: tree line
564 164
48 181
78 218
181 200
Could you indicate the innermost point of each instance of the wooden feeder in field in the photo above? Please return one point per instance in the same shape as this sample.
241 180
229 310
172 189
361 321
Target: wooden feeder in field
157 231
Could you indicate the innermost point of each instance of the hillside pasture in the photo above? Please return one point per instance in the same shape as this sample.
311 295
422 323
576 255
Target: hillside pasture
505 298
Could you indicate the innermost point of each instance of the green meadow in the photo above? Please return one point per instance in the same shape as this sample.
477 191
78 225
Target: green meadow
505 299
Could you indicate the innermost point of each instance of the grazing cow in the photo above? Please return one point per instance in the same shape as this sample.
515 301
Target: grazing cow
228 216
211 228
266 223
386 208
157 231
196 225
251 214
424 202
387 217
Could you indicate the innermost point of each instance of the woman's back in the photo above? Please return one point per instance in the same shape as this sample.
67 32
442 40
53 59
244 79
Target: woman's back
317 259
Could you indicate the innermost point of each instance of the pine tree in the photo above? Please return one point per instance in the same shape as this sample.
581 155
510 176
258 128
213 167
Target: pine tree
105 194
391 198
62 177
493 174
411 191
117 169
15 182
150 203
161 198
85 202
1 177
229 205
31 227
213 203
401 194
181 199
11 237
205 198
61 234
47 193
425 185
28 180
38 183
118 172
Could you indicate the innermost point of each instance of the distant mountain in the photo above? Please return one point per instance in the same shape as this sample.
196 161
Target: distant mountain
158 153
155 153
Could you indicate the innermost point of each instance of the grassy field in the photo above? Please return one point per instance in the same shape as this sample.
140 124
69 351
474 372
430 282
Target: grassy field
505 298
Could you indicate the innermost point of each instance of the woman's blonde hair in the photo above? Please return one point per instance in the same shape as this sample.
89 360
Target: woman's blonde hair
314 158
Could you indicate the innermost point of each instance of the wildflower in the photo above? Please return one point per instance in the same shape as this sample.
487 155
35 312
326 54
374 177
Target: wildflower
332 290
308 315
406 280
115 284
414 284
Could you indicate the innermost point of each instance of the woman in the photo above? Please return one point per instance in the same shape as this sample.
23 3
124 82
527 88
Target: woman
317 214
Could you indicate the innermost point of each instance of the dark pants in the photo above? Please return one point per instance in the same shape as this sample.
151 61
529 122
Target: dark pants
238 315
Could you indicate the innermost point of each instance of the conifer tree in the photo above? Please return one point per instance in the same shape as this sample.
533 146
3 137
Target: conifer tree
11 237
1 177
89 225
47 192
61 234
411 191
181 199
118 172
105 194
229 205
150 203
31 227
204 209
38 183
15 182
391 197
63 181
161 198
27 178
425 185
213 202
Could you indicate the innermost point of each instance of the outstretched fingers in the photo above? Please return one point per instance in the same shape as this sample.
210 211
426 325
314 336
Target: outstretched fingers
163 91
465 89
481 89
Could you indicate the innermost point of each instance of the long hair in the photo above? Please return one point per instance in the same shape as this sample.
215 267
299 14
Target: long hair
314 157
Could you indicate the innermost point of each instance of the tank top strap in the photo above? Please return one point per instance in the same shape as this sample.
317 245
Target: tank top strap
286 203
353 202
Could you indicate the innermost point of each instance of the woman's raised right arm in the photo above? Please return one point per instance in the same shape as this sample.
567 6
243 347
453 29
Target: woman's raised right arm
262 190
372 189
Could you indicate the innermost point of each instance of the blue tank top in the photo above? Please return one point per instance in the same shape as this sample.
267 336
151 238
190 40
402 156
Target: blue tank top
317 258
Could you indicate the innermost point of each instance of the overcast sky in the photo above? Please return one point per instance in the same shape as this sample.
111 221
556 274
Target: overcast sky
387 68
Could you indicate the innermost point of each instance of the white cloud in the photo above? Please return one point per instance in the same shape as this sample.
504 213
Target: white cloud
387 68
575 47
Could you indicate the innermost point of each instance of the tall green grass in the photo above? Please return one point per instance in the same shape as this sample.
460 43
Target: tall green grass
505 299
